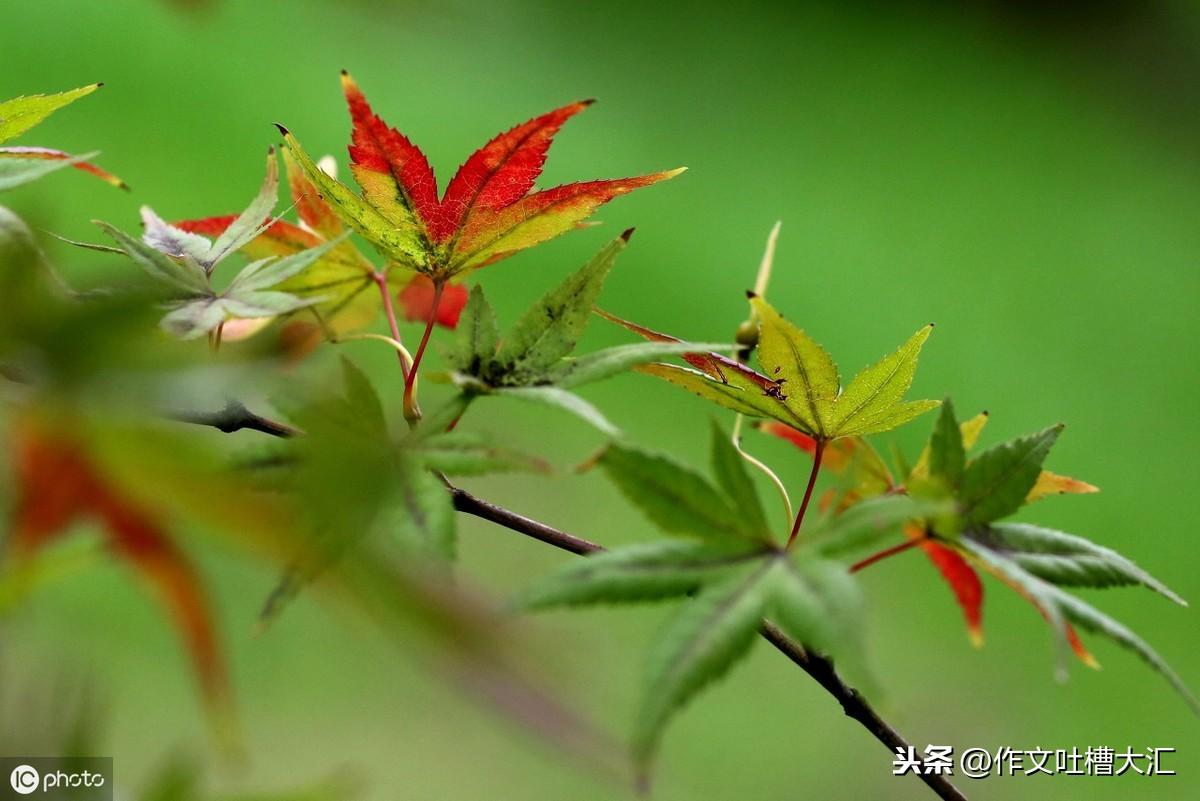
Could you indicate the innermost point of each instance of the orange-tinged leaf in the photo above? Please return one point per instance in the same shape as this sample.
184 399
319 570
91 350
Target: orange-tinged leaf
868 475
342 276
283 238
1080 650
838 453
1053 484
963 580
709 363
311 208
402 240
393 172
58 155
501 172
485 213
1072 637
417 299
490 235
279 239
58 485
297 339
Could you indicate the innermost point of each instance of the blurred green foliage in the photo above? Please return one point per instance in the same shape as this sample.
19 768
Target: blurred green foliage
1029 182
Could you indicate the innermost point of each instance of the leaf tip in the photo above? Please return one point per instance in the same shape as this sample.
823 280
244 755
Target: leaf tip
975 636
587 102
751 294
627 234
282 130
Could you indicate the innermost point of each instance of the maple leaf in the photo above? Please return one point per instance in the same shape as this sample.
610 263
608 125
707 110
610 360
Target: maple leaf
487 212
185 262
800 385
868 475
343 278
532 363
961 577
22 164
399 491
1034 561
725 562
58 485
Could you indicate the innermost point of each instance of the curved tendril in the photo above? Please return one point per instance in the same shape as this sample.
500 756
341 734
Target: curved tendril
403 351
768 472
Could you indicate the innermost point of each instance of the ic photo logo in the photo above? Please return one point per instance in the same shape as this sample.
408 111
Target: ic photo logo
57 778
24 779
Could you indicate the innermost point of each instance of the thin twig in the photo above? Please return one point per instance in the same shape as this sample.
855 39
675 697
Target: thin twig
236 417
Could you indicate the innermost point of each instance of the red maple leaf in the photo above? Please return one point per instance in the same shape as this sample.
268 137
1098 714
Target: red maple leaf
489 209
57 485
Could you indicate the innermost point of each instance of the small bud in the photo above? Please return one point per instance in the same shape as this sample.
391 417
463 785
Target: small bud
747 335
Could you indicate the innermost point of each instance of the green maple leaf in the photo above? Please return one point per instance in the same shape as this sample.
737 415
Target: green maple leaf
1033 560
533 362
357 480
725 563
22 164
799 385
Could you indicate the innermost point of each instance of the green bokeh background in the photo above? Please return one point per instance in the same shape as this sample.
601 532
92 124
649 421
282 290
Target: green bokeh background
1028 180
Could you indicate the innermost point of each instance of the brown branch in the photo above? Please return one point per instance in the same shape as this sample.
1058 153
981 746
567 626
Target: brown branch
468 503
236 417
818 667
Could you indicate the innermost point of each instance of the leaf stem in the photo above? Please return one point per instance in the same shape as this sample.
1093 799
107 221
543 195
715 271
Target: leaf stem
412 411
884 554
389 311
818 452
